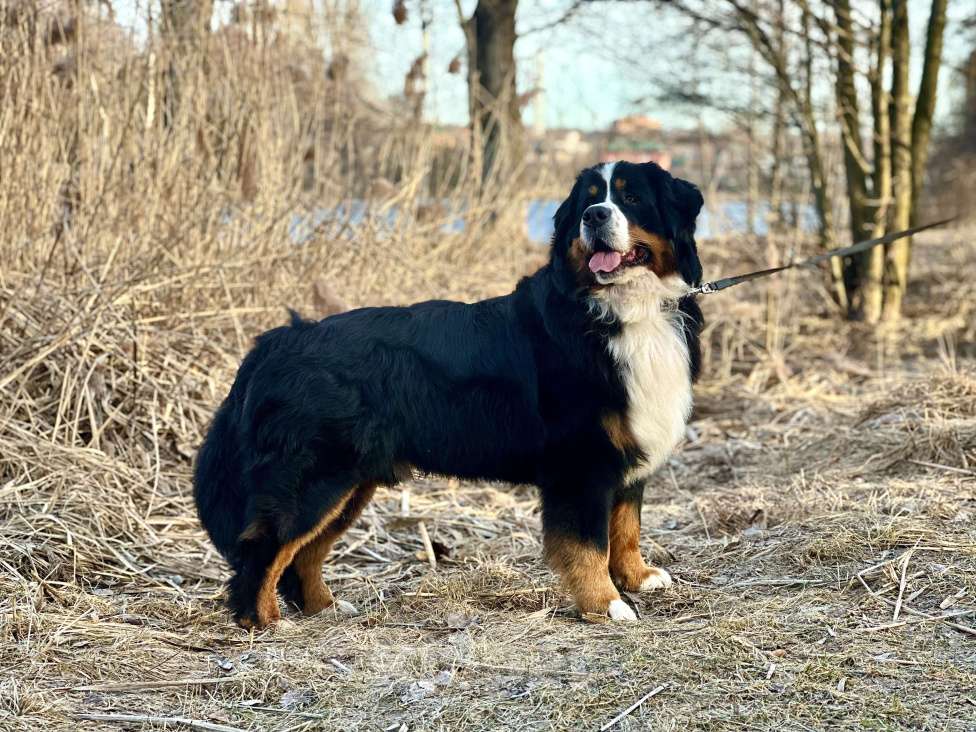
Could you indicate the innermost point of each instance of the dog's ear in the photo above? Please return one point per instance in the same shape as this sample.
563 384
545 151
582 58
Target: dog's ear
679 203
563 221
565 229
682 211
689 202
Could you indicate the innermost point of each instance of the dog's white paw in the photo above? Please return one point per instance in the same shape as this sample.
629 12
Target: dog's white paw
620 610
657 580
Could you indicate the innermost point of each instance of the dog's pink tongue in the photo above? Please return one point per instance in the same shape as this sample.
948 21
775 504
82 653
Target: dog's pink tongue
604 261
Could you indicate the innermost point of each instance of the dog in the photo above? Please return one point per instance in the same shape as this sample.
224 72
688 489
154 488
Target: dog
579 381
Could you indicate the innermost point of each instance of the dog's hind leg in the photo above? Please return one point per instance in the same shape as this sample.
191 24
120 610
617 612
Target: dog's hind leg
302 582
255 551
262 561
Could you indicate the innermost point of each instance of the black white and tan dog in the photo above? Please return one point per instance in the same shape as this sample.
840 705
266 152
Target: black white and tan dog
579 382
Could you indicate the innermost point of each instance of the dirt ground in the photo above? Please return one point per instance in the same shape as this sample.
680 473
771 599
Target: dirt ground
818 521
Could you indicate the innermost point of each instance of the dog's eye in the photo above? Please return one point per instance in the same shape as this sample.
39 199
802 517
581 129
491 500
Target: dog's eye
630 198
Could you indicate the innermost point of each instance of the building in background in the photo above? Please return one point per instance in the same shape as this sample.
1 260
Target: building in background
636 138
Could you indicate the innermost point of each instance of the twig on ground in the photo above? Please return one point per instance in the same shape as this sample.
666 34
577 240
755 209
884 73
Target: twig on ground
632 707
144 685
784 582
886 626
950 468
340 665
958 626
515 593
289 712
901 585
164 721
428 546
527 671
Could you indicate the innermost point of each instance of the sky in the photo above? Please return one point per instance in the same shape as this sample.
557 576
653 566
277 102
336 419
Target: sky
612 58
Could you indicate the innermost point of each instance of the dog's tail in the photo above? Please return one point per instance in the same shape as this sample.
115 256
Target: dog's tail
219 486
218 483
220 480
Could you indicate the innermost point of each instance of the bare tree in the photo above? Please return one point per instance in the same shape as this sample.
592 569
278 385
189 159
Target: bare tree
793 78
871 296
884 176
856 167
969 110
910 133
493 105
898 254
925 103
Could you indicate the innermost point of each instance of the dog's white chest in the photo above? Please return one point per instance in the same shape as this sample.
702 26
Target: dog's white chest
653 359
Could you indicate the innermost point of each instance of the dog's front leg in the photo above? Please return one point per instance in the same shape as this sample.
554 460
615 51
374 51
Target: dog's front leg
627 566
575 524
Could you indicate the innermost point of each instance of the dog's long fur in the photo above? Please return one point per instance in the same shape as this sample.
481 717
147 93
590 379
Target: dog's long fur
578 382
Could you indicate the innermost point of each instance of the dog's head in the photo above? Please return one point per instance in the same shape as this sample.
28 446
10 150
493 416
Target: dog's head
629 226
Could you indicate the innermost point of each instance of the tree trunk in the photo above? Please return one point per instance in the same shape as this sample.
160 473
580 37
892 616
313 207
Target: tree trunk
776 171
818 170
492 98
752 158
898 253
855 166
969 111
849 113
184 24
874 259
186 21
925 103
774 293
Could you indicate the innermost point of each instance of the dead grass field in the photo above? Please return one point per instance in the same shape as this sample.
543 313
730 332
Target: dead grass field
818 520
826 479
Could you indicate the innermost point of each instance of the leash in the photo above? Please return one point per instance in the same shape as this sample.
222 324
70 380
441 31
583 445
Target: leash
710 287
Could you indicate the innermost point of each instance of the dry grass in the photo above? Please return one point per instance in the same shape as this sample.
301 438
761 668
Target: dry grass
828 475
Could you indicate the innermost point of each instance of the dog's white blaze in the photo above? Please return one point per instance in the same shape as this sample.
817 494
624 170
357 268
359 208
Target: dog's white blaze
653 359
606 170
619 238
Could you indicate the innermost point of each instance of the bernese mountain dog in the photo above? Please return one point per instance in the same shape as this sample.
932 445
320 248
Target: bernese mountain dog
579 381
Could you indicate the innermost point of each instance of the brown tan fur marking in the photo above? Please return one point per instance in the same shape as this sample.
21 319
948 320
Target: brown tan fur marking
267 600
584 572
316 595
619 184
578 258
619 432
663 262
627 566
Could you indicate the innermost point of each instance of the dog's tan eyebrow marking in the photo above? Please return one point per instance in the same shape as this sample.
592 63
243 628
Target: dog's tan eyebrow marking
619 184
593 190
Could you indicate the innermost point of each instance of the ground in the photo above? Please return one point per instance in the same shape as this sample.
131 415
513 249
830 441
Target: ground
818 522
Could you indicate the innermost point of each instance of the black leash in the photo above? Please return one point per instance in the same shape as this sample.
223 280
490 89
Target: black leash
709 287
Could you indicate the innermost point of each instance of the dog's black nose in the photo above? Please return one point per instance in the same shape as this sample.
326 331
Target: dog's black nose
596 215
